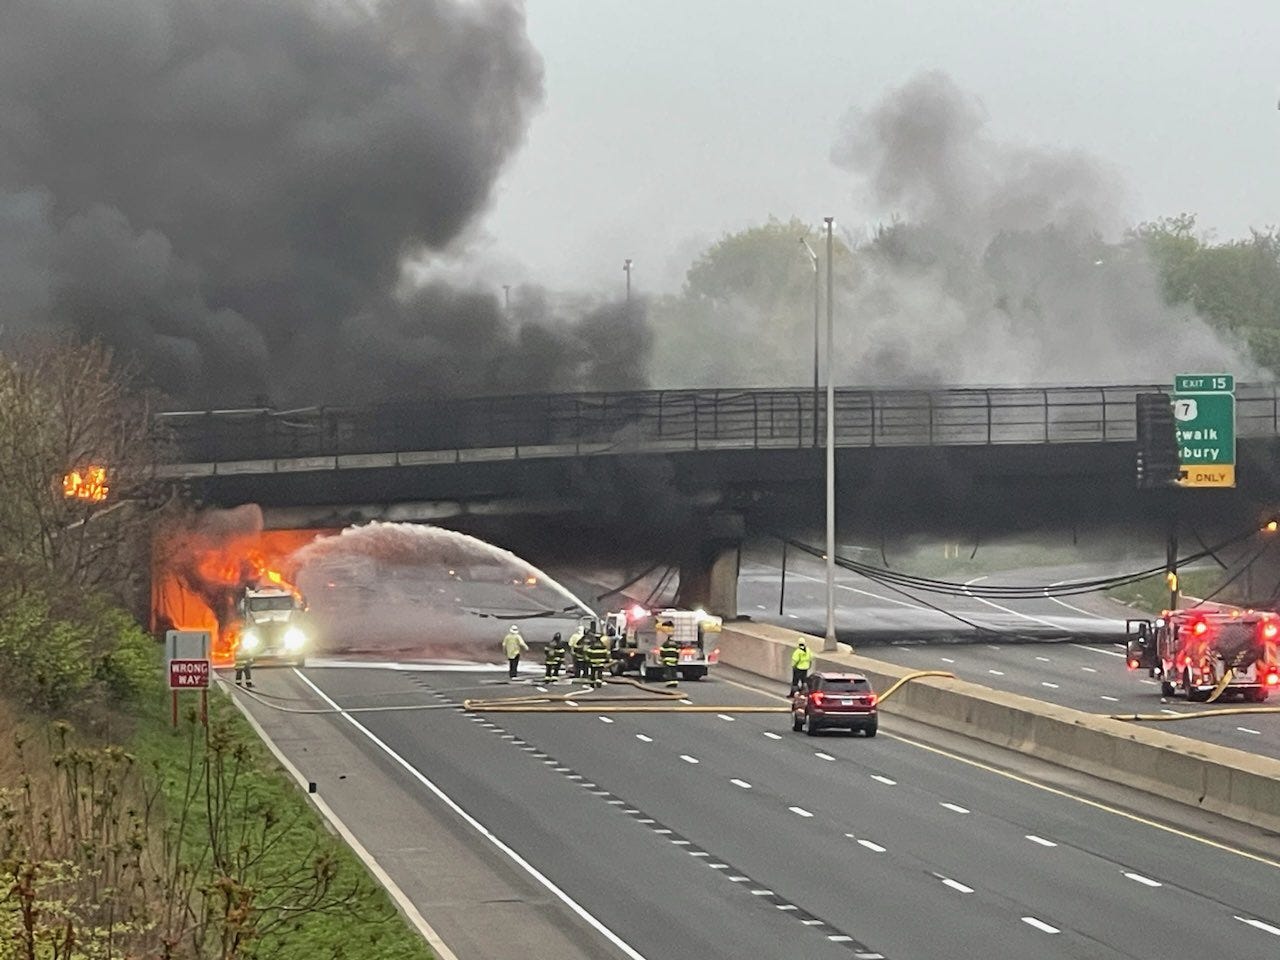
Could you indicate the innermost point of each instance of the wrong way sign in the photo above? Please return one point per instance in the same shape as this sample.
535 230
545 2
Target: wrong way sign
188 674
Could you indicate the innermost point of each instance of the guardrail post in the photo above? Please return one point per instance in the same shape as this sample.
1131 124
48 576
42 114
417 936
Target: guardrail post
1044 396
930 396
755 421
715 416
800 421
661 394
871 397
1103 392
987 394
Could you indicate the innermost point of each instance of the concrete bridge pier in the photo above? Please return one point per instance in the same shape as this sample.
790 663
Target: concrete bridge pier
709 576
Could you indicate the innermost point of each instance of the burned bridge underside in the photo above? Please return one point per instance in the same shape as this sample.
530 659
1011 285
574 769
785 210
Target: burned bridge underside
659 474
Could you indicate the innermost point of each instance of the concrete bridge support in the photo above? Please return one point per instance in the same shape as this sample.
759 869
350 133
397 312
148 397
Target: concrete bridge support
709 577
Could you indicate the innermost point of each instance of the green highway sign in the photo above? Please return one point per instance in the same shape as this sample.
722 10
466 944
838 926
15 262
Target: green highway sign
1204 413
1204 383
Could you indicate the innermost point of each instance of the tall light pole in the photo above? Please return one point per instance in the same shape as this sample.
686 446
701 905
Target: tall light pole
626 268
817 296
830 641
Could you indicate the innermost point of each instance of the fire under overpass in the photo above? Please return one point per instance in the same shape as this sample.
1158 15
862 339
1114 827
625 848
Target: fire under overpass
706 468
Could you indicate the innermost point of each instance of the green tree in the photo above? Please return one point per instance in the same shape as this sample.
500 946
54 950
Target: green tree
1234 285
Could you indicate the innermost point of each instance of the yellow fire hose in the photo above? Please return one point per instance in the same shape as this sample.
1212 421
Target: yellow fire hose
586 703
1220 712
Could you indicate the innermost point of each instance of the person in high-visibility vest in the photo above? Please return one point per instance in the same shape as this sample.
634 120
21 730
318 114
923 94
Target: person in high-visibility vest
669 653
801 661
597 658
553 657
512 644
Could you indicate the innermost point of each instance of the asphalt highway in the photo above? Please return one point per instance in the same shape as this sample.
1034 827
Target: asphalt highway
722 835
1082 666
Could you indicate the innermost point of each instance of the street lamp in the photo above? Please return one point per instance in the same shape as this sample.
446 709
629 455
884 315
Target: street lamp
626 268
817 296
830 641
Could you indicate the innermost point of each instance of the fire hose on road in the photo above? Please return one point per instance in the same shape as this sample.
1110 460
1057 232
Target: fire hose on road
669 701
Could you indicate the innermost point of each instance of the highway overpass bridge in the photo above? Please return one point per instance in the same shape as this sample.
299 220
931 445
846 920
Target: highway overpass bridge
643 470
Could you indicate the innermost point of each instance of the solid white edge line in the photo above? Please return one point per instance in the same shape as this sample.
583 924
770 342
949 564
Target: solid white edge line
398 896
479 827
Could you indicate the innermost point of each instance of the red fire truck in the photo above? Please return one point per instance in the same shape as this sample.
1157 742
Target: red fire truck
1194 652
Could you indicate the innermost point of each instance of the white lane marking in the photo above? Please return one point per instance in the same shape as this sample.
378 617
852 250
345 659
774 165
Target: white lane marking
762 892
825 756
1110 699
992 646
1260 925
1072 606
718 866
576 776
740 783
616 803
885 780
840 938
956 885
643 739
699 853
874 847
664 831
476 825
1145 881
787 906
800 811
1046 683
812 923
631 810
1044 659
571 703
1040 925
688 759
946 659
771 735
1109 653
1088 670
646 820
739 879
1256 733
1024 616
1040 840
725 716
681 843
997 673
687 702
542 689
954 807
606 719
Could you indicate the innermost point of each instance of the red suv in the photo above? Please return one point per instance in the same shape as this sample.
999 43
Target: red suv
843 700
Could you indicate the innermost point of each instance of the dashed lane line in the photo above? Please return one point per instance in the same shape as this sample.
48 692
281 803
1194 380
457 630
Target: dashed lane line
1145 881
1040 925
1040 840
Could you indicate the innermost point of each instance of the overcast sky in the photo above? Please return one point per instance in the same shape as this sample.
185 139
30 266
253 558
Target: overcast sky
667 123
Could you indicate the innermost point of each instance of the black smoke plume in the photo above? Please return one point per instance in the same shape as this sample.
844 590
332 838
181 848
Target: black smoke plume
229 188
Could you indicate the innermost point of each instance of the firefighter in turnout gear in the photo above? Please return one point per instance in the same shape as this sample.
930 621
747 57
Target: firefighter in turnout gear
670 654
512 644
597 655
801 661
554 657
576 641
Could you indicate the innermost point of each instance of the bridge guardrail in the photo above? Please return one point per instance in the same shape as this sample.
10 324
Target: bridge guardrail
691 420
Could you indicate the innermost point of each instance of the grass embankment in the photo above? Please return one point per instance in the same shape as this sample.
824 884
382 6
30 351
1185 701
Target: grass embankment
178 843
1152 594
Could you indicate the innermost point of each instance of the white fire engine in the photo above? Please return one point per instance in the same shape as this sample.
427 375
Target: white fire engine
1194 652
639 633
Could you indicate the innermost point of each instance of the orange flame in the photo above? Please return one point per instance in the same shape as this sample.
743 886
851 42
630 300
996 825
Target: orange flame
91 484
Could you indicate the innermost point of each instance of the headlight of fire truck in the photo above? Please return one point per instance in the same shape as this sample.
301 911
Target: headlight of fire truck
294 639
249 641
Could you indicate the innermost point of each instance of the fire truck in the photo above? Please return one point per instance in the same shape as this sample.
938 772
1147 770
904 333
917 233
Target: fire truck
639 633
1194 652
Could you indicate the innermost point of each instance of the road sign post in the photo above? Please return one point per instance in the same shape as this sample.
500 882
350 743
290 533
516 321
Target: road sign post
1204 410
187 654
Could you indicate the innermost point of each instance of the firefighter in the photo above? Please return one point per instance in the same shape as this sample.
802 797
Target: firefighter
553 658
801 661
244 667
576 643
512 644
669 653
597 656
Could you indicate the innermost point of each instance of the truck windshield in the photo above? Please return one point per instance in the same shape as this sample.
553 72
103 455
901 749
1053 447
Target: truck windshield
259 604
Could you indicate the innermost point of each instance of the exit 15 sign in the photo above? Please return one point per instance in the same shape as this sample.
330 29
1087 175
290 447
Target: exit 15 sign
1204 411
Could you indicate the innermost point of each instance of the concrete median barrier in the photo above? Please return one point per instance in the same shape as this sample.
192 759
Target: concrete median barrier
1233 783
